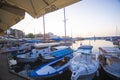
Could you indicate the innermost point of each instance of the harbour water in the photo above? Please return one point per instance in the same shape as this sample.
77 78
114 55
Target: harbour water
95 43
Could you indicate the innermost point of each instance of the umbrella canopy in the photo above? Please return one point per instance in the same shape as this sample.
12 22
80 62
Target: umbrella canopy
37 8
9 15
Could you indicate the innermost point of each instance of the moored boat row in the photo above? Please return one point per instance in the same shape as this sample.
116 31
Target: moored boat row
46 52
83 66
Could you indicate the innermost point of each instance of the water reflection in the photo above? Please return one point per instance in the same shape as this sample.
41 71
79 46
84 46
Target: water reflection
95 43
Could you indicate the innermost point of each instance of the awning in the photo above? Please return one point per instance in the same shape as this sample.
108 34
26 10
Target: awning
37 8
9 15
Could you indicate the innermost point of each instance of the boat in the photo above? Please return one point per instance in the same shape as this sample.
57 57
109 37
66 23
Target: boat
51 69
110 61
38 51
15 49
117 43
44 52
84 64
60 51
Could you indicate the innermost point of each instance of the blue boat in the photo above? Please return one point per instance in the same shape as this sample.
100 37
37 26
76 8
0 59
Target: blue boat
52 68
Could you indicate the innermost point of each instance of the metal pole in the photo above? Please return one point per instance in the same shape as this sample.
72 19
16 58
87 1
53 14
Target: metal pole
65 25
44 28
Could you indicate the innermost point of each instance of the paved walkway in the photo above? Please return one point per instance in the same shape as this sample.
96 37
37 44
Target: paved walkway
4 72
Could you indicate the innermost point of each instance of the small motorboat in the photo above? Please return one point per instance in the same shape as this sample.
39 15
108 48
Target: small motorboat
38 51
84 64
83 67
52 68
109 59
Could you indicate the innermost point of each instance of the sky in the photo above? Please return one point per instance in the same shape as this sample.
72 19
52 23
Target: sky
86 18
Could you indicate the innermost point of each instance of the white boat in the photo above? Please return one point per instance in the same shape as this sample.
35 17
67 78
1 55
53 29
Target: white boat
15 49
52 68
40 49
110 61
84 65
44 52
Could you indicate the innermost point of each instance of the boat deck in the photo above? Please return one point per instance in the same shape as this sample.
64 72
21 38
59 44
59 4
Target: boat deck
5 74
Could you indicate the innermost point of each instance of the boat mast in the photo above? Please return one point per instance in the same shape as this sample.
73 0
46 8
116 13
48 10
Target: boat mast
44 28
34 34
116 31
65 24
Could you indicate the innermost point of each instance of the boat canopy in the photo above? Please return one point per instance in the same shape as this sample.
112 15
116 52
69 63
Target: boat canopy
109 49
40 45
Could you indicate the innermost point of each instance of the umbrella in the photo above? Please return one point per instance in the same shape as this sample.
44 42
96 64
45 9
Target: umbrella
37 8
9 15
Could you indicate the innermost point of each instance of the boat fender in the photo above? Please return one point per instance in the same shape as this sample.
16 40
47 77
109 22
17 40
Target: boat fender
74 73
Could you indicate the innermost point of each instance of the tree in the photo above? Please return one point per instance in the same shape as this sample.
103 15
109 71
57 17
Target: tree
30 35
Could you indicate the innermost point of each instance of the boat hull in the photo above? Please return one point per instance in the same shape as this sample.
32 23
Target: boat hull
109 74
111 68
87 77
26 60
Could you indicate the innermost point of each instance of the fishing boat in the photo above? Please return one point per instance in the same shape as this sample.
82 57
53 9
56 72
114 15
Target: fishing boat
117 43
39 50
45 52
51 69
15 49
84 64
110 61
